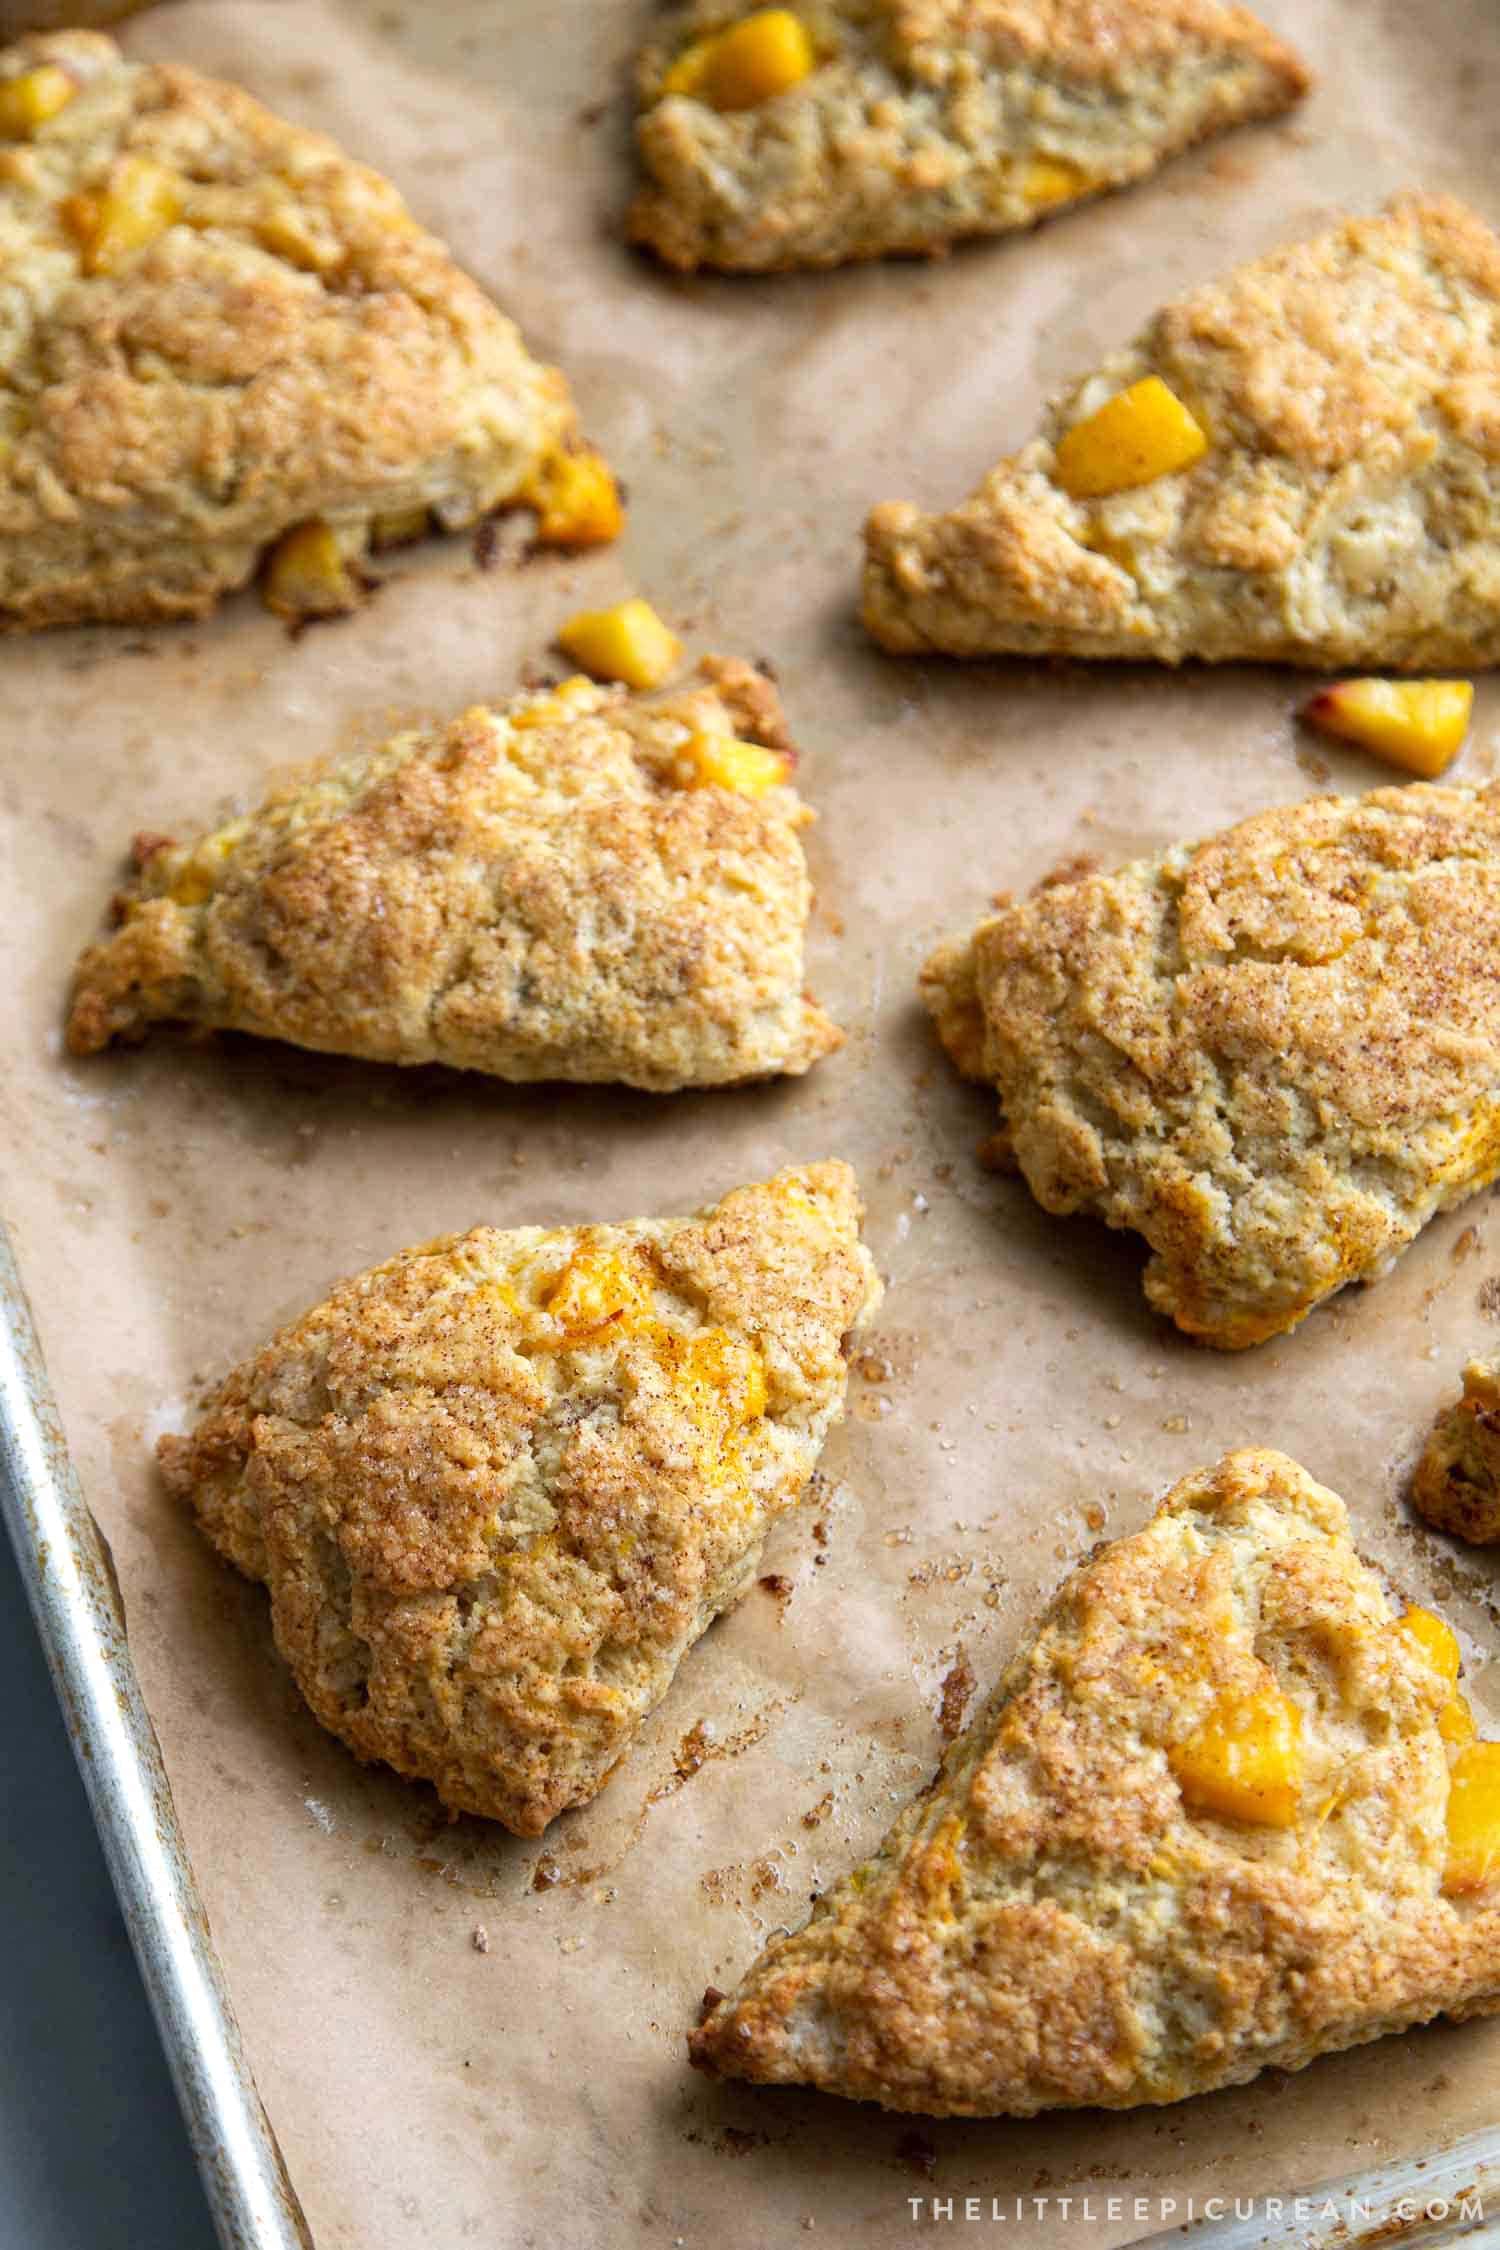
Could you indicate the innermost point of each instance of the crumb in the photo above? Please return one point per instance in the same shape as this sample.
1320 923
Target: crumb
1071 869
958 1686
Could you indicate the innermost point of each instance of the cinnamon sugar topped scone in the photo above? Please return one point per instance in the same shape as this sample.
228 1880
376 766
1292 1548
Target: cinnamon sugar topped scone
583 884
1224 1813
1275 1054
1297 464
497 1487
844 129
220 331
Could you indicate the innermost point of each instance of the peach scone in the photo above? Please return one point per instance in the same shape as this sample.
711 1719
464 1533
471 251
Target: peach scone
497 1487
583 884
1457 1484
1224 1812
226 341
843 129
1274 1054
1299 464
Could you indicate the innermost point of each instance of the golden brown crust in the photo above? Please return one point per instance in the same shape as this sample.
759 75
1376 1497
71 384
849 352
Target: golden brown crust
1457 1483
1053 1925
924 120
1172 1045
1101 44
293 346
1344 513
491 1524
534 892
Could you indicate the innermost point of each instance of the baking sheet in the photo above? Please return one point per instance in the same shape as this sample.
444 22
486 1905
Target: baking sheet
450 2053
69 1578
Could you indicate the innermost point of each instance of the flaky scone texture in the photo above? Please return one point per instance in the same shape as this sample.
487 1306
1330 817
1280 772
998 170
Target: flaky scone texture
1053 1925
1275 1054
292 346
1345 512
1457 1484
497 1487
927 121
540 891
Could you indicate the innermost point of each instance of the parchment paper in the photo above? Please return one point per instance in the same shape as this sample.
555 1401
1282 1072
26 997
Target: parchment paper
433 2085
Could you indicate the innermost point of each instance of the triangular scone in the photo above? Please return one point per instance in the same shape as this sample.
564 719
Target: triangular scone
1201 1829
581 885
220 328
1341 406
842 129
1275 1054
498 1486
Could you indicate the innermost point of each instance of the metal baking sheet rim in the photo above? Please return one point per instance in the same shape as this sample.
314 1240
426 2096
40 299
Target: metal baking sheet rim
1432 2199
75 1598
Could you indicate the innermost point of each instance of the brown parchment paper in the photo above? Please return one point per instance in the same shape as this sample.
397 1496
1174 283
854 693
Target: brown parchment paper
431 2085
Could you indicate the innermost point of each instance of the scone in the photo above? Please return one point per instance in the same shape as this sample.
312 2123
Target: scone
221 335
1457 1484
842 129
1299 464
582 885
1223 1813
498 1487
1275 1054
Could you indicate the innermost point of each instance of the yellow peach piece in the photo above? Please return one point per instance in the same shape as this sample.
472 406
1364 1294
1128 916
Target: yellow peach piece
1418 725
399 527
1049 180
138 202
1435 1638
722 761
307 575
1473 1818
1140 434
750 62
1456 1722
577 501
566 701
628 643
28 101
198 877
597 1290
1245 1761
724 1379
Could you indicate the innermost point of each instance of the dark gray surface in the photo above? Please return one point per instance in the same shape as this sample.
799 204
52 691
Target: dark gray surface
92 2151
